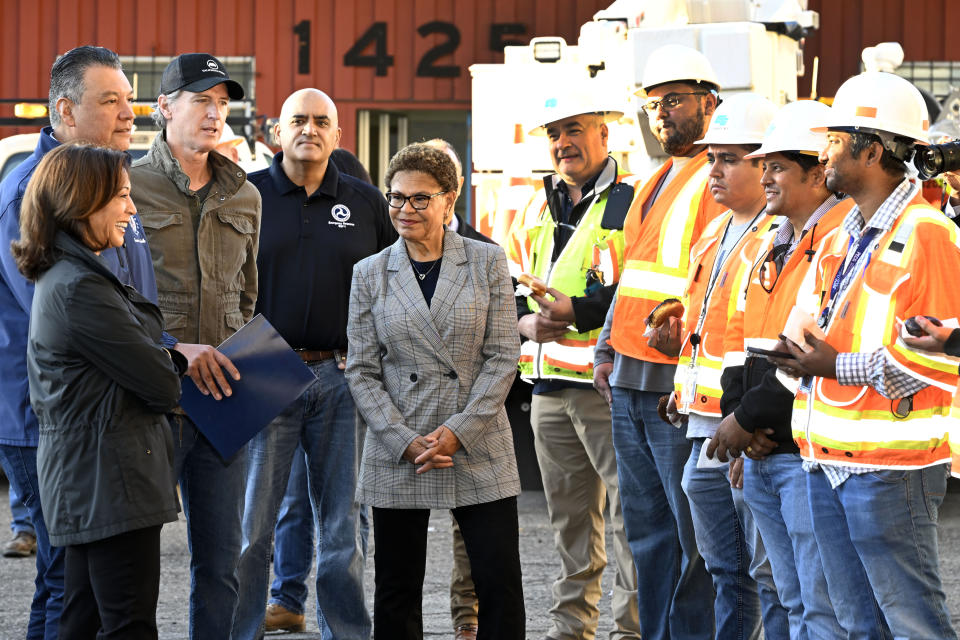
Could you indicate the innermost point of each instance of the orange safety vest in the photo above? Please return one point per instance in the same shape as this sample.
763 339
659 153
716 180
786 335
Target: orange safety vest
762 310
912 271
658 252
720 306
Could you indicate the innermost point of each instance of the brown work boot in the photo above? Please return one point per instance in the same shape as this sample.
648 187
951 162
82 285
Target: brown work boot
466 632
23 545
279 618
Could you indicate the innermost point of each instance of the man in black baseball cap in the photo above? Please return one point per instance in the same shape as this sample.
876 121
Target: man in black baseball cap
197 72
202 221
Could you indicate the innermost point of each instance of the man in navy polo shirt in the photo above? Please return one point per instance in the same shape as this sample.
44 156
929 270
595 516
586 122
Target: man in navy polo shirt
89 102
317 223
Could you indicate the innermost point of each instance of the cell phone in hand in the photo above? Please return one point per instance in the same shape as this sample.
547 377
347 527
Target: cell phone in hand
757 351
913 327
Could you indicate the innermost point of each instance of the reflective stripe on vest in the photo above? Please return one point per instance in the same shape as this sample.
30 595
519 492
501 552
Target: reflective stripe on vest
720 307
590 246
658 252
856 425
954 435
762 315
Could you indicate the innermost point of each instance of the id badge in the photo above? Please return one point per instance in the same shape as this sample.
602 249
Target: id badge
689 390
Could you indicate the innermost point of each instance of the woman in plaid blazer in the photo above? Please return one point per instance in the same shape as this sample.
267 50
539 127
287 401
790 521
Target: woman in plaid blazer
433 352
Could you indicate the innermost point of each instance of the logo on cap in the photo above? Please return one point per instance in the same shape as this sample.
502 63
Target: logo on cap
550 103
212 64
721 120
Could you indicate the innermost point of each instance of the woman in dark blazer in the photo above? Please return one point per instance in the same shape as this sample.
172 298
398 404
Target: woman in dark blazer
100 384
433 351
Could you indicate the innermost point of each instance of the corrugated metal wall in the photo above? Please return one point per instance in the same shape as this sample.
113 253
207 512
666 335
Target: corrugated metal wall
925 28
34 31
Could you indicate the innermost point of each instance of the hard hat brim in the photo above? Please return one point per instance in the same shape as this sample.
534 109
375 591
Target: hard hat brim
705 83
608 116
869 126
764 151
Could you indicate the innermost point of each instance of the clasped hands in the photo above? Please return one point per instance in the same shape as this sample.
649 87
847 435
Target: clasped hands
434 450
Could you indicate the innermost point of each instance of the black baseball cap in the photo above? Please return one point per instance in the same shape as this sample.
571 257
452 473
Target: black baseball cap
197 72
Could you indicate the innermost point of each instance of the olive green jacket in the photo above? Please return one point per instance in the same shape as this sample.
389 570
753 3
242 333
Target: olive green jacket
204 253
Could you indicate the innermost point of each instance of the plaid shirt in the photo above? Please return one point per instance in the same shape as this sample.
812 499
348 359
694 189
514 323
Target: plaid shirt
786 235
872 369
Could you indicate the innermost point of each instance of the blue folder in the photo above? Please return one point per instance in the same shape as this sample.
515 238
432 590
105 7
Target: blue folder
272 376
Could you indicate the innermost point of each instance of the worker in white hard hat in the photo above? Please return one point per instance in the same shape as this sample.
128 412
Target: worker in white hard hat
871 414
756 404
666 218
571 237
725 533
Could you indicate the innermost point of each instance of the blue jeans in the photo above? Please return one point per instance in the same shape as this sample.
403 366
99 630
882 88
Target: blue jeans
722 542
20 466
675 593
849 586
212 493
775 490
776 623
885 522
19 514
293 540
322 420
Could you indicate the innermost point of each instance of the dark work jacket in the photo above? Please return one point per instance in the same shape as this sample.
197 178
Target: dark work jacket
754 395
952 345
100 383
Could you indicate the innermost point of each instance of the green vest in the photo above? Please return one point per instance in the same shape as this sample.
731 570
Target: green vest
590 246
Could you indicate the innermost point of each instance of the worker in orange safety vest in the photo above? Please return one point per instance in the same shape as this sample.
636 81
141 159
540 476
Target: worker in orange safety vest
871 415
667 216
757 406
725 532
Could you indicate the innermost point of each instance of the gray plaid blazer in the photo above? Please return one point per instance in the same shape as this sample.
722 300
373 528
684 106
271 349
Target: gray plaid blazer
412 368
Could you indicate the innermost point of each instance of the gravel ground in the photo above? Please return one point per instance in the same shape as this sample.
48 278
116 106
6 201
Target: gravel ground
536 552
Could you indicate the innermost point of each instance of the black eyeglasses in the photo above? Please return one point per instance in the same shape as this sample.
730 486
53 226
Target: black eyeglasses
668 102
418 201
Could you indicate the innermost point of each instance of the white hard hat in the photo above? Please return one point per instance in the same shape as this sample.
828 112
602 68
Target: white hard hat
881 103
791 129
677 63
567 104
743 118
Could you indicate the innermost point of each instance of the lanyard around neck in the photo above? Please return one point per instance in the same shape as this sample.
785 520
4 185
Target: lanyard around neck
716 268
846 271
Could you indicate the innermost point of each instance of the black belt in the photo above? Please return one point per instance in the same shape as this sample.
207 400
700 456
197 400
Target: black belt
311 355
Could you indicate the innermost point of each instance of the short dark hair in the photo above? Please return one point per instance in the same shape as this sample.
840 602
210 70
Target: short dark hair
805 160
66 74
349 164
70 184
425 159
860 140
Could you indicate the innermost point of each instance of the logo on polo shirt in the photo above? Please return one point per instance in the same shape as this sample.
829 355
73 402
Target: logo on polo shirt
340 214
